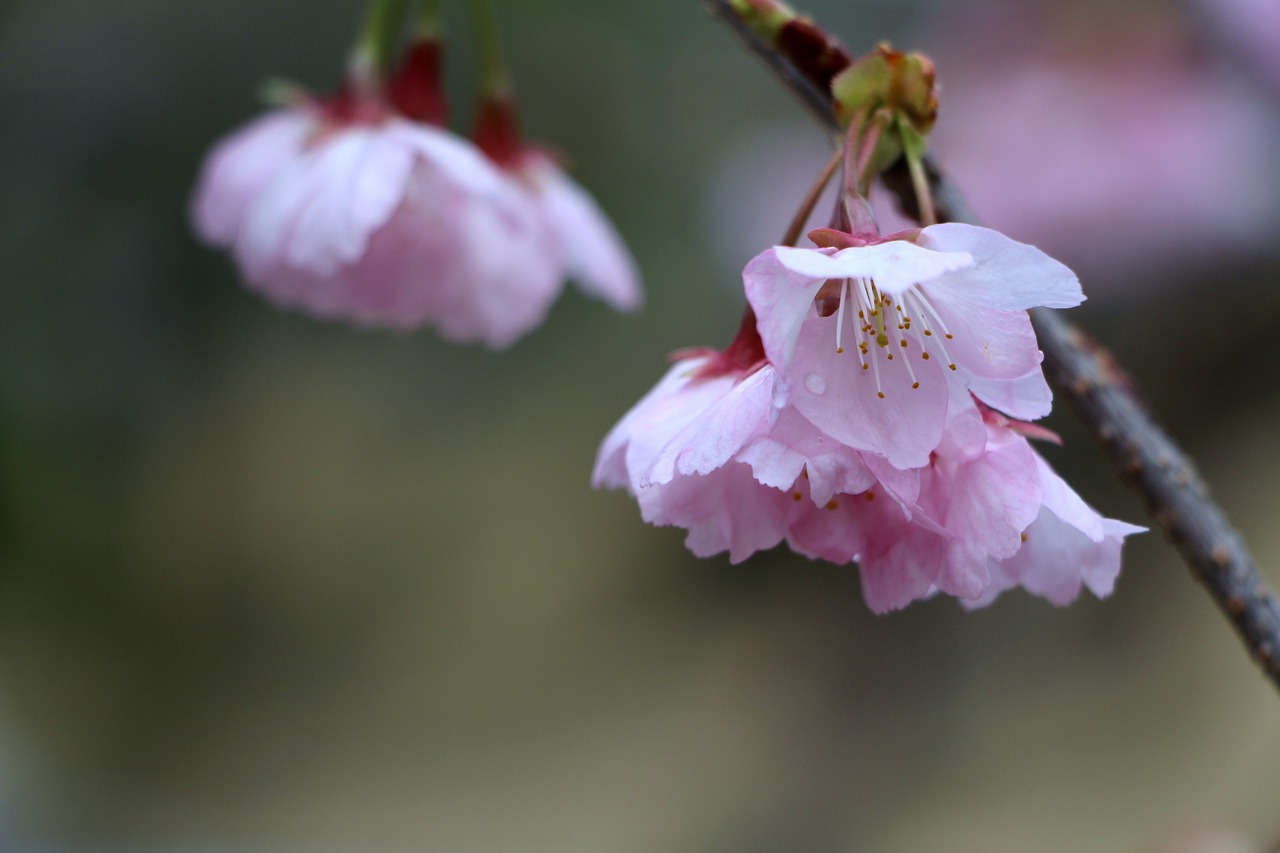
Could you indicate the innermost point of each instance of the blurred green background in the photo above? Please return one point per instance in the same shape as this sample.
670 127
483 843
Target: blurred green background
268 583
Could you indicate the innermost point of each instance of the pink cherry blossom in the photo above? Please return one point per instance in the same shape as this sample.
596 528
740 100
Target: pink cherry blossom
387 222
358 207
1068 545
907 322
718 448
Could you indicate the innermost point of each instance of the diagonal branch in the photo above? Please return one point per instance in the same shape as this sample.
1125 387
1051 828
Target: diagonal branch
1102 395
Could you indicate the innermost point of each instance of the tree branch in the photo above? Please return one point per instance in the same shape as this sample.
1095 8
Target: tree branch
1102 395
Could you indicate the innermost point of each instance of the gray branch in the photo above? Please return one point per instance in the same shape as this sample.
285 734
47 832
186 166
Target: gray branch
1101 394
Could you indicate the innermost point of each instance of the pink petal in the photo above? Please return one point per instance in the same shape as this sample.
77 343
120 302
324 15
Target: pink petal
457 159
597 258
1068 543
782 300
401 281
843 400
511 269
1005 274
989 502
900 564
1101 567
664 418
989 343
1025 398
838 534
717 433
793 446
611 468
240 166
321 211
726 510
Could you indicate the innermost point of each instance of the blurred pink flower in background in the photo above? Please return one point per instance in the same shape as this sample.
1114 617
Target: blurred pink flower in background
361 207
1251 27
1107 140
1110 141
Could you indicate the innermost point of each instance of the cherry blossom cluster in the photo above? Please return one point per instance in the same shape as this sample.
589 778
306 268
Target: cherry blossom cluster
874 408
363 206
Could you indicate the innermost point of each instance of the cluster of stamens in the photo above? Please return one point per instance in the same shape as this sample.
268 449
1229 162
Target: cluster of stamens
885 324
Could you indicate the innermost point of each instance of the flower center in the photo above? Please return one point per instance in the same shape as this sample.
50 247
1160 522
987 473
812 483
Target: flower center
885 325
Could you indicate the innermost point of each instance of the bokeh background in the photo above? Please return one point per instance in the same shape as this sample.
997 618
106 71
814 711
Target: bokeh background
274 584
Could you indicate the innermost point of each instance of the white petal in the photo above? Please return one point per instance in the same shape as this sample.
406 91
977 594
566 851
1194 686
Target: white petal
240 166
457 158
320 213
781 300
1005 273
894 265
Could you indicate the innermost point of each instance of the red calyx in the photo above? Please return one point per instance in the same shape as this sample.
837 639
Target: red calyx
744 355
496 131
414 90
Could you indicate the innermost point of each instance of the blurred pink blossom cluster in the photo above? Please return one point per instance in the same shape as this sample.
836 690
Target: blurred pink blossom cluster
1105 136
363 206
874 408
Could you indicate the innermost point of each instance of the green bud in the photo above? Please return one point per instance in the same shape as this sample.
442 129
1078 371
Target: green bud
903 83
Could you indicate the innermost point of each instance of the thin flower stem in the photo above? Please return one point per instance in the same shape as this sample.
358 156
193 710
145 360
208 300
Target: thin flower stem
1105 400
372 54
430 22
923 192
806 207
485 26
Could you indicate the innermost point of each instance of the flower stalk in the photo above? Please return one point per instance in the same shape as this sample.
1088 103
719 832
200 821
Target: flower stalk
811 199
374 51
493 75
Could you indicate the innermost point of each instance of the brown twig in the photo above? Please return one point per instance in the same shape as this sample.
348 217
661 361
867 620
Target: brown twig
1101 394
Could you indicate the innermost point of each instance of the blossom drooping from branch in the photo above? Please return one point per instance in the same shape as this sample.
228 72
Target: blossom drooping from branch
359 207
779 437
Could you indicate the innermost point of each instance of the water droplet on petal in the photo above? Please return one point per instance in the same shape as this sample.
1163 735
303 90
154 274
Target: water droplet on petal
815 383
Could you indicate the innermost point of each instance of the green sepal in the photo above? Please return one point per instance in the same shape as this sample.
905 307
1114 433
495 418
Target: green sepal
901 82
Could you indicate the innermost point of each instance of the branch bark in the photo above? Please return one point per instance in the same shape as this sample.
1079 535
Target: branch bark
1103 397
